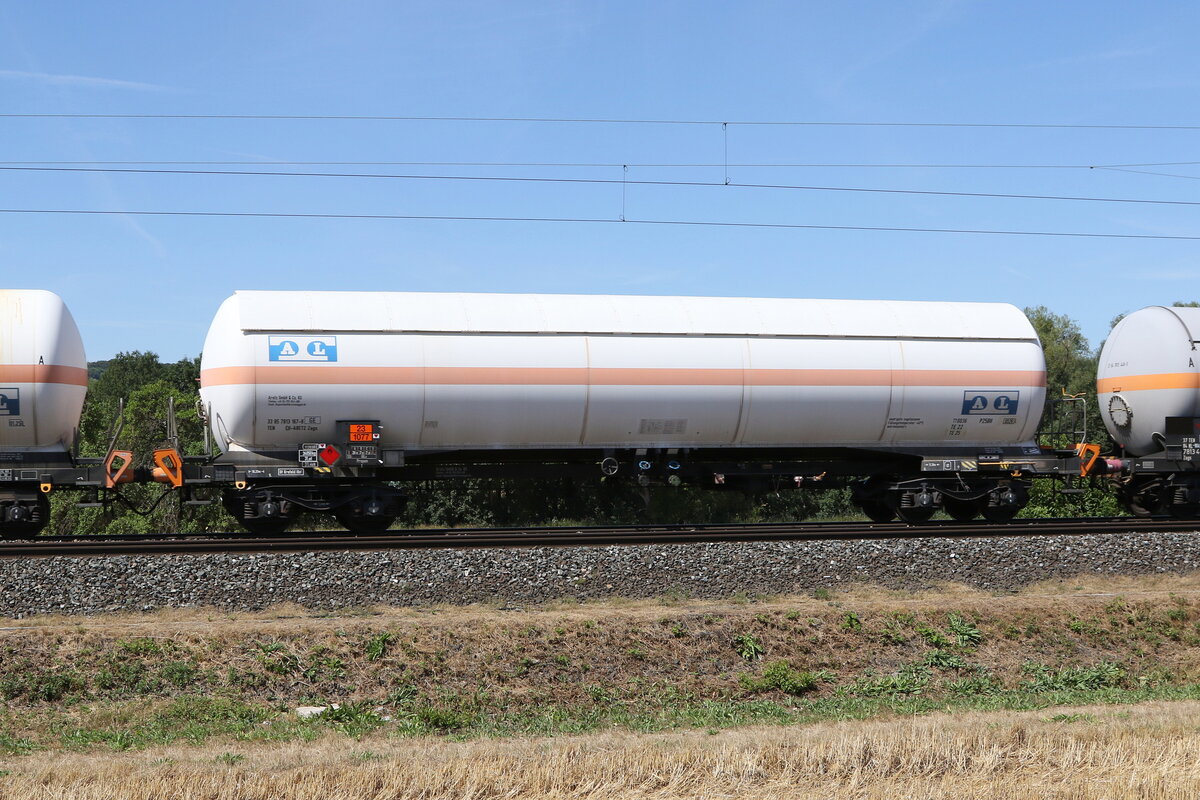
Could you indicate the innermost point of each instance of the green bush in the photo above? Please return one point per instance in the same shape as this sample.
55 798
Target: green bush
964 631
944 659
748 647
910 680
1100 676
180 674
377 646
779 675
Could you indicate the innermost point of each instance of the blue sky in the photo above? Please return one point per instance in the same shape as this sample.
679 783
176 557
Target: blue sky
152 283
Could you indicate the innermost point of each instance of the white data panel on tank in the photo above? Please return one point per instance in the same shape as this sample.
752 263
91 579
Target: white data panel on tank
989 392
817 391
43 371
503 390
648 391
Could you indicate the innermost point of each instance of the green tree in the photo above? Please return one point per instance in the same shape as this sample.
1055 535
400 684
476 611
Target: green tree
1070 372
145 384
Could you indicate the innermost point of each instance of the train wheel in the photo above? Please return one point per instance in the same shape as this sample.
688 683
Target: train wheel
1184 510
273 517
27 522
1145 503
1143 499
999 514
358 523
878 512
960 510
266 526
1002 503
914 515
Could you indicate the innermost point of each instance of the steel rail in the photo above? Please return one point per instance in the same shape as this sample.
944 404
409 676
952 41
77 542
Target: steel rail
464 538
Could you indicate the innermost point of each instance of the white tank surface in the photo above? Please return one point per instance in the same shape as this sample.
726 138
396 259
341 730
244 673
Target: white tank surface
1149 371
456 371
43 372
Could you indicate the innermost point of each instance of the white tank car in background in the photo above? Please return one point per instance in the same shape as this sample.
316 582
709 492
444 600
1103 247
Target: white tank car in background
317 386
43 373
561 371
1149 370
1148 387
43 379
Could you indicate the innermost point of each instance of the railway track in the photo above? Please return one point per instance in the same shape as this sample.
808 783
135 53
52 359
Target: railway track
151 544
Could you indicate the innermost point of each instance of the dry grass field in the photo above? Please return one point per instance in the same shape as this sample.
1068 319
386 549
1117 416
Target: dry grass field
1147 751
1085 690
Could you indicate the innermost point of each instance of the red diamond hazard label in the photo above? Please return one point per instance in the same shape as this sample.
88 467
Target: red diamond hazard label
329 455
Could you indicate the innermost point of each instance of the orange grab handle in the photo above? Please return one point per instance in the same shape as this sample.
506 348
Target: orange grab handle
169 467
117 468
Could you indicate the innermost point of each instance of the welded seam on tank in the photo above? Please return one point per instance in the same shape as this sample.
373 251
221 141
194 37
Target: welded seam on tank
43 373
1135 383
614 376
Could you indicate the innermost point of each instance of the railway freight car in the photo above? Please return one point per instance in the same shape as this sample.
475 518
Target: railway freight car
1148 386
333 401
43 380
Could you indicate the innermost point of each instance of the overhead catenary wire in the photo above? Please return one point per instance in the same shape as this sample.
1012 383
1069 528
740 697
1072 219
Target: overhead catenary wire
596 220
605 121
623 181
600 164
1148 172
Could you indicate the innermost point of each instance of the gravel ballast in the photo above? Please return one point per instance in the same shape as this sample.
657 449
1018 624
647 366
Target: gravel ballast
328 581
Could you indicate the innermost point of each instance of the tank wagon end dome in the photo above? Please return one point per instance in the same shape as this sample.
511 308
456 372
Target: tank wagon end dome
1149 369
43 371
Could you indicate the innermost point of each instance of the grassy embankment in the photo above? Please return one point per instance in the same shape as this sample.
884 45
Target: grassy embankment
183 691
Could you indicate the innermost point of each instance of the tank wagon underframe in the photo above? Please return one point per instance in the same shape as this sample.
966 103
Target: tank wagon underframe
27 480
265 490
1166 482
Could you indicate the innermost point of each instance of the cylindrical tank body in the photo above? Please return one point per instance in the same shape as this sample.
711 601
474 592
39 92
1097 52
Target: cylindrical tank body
1147 372
43 372
451 371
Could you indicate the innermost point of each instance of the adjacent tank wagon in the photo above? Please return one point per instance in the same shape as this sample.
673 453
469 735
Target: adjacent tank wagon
1148 387
322 400
43 380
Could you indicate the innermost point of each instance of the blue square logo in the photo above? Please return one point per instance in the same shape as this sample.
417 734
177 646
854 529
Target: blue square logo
10 402
302 348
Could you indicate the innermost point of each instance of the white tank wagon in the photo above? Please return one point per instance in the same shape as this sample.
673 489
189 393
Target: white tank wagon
43 373
43 380
309 394
1148 387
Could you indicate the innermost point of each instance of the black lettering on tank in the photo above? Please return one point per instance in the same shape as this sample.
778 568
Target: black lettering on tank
41 359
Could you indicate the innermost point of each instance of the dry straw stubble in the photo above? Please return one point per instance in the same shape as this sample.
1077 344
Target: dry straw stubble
1147 752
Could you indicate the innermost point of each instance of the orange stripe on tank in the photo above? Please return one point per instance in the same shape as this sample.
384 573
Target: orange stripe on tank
1136 383
43 373
613 376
